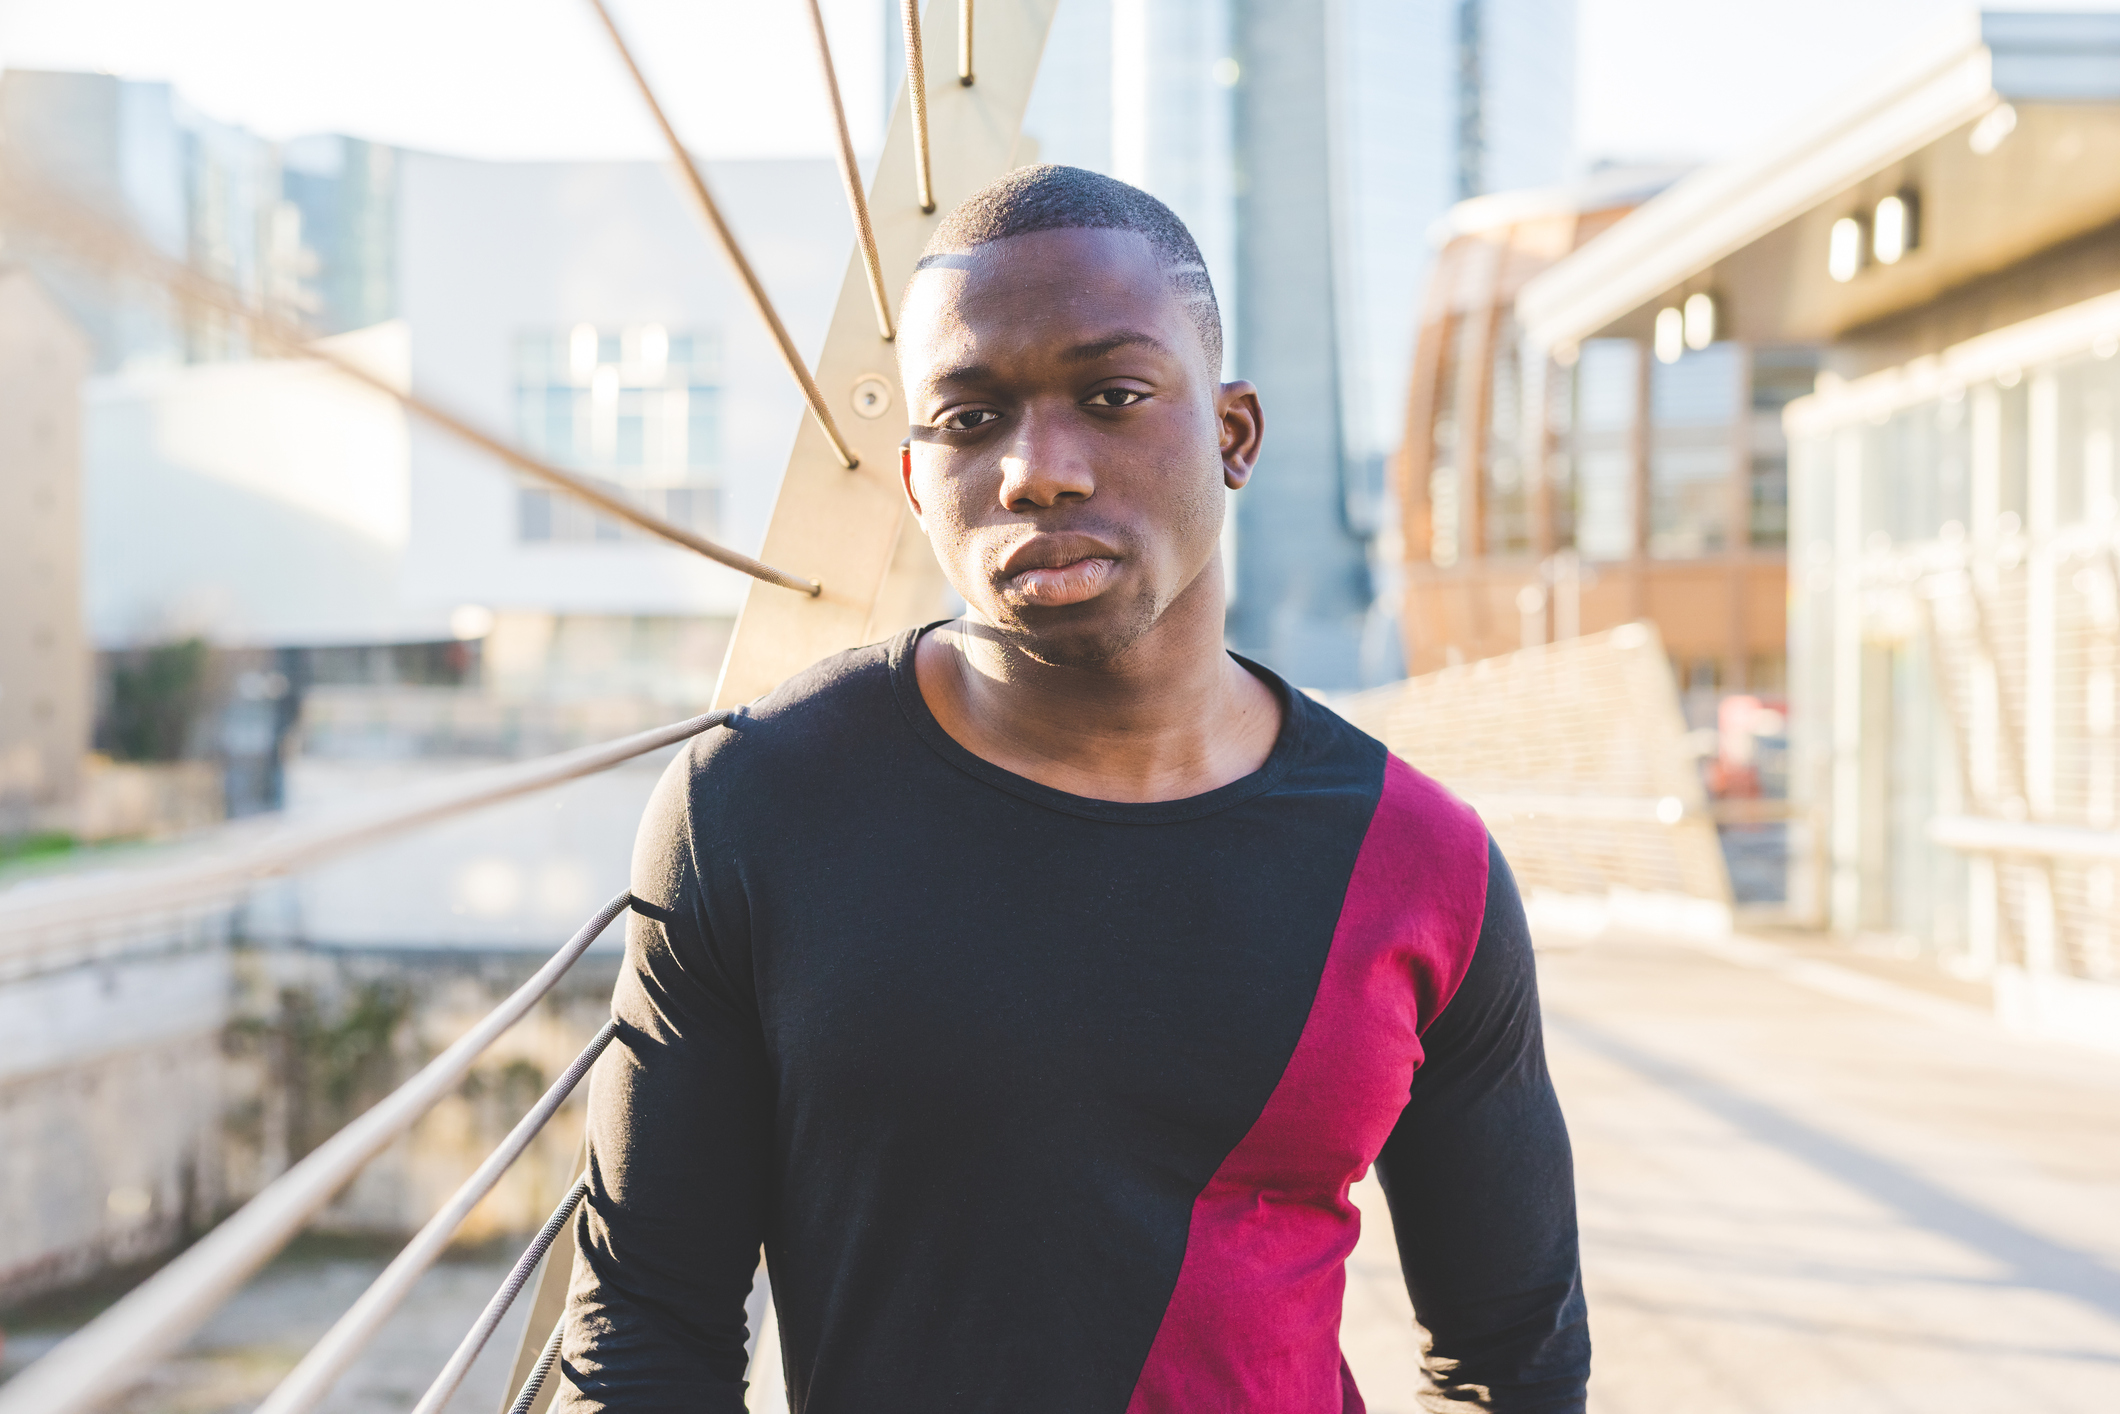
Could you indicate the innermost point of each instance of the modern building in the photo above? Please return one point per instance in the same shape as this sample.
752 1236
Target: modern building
45 704
1309 145
573 308
1548 493
298 230
308 533
1949 238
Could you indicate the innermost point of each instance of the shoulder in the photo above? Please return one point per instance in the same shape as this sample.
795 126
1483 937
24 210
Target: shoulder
817 723
1421 836
1412 806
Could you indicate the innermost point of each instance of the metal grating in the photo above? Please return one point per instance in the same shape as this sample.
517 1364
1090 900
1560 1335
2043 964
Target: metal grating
2026 642
1574 754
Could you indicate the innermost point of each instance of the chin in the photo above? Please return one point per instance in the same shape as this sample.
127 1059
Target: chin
1087 635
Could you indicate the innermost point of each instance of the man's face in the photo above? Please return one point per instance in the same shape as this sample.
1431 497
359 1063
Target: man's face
1069 443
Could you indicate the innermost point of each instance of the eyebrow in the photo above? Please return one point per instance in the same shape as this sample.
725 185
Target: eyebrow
1098 348
1080 353
960 373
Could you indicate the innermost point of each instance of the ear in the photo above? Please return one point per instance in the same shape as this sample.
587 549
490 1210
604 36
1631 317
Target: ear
905 475
1243 426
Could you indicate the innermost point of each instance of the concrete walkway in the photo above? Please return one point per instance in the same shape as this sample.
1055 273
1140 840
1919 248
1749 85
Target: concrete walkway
1797 1203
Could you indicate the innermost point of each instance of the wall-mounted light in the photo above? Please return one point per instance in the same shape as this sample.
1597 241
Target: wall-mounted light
1700 320
1894 228
581 352
654 345
1988 133
1670 335
1844 249
469 621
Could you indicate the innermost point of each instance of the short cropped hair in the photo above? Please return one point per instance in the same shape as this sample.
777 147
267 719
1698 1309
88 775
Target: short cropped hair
1049 197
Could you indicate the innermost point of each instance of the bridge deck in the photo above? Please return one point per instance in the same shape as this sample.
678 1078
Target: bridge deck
1794 1203
1791 1202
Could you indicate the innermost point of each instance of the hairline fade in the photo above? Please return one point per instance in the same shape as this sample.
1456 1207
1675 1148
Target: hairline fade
1050 197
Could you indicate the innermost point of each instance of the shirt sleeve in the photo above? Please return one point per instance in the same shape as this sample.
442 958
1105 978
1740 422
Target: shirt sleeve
680 1134
1482 1190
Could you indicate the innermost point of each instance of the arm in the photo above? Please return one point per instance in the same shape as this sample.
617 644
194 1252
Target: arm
1482 1190
680 1132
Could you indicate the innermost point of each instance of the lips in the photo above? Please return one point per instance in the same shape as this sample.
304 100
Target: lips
1051 571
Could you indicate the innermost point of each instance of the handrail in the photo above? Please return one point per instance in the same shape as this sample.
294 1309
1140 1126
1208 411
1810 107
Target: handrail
319 1370
474 1341
1977 834
99 1362
535 1384
84 903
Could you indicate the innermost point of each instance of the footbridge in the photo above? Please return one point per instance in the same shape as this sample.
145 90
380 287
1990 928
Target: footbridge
1595 799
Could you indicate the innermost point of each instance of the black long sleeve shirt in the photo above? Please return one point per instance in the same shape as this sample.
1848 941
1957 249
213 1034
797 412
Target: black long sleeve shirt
1042 1103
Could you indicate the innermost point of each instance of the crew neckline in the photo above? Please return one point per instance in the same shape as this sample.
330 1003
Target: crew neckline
905 686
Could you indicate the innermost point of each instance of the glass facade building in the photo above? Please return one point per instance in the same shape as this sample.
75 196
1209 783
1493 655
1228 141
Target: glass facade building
1948 241
1548 495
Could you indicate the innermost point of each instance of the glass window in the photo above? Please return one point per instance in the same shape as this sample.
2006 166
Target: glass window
561 426
2015 435
1702 389
1508 506
703 428
1507 501
533 514
1560 466
1605 376
631 450
1604 505
635 408
1769 500
1689 497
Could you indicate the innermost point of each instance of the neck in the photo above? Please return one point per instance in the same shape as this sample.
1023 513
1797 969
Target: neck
1171 716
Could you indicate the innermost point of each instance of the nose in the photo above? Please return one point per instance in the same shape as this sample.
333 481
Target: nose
1043 466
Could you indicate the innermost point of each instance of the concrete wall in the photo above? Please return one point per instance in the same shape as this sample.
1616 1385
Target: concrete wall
110 1104
319 1034
142 1096
44 662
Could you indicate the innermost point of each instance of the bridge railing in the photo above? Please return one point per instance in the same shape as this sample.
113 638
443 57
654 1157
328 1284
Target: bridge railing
98 1363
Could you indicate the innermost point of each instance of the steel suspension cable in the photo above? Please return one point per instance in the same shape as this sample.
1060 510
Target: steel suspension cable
578 487
85 233
307 1384
703 199
916 89
535 1384
467 1353
964 42
850 174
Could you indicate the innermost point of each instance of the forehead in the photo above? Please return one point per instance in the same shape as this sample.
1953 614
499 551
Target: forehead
1037 287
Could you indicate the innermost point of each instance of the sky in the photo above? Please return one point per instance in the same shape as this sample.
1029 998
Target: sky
1661 79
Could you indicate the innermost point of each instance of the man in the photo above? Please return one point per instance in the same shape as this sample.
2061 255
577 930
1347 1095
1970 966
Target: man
1034 986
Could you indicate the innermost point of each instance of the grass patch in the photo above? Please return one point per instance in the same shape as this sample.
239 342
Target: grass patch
43 844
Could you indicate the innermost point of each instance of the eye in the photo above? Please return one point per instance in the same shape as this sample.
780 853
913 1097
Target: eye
1115 398
968 419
